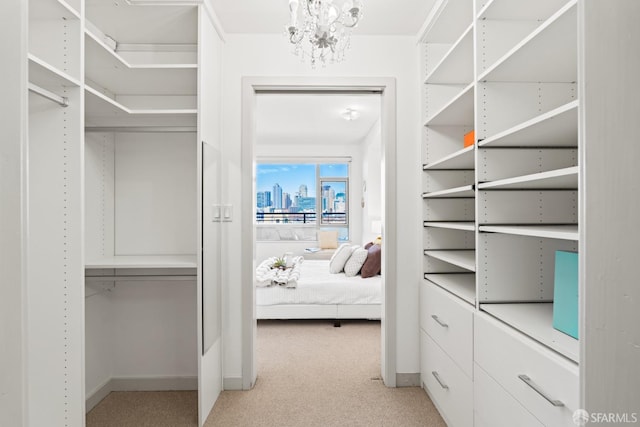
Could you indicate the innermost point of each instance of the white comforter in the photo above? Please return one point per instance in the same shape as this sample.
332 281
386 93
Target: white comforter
317 286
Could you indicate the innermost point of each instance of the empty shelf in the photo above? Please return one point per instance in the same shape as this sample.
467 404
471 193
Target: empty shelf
556 128
451 193
460 160
536 321
462 225
465 258
457 64
462 285
564 232
144 261
458 112
560 179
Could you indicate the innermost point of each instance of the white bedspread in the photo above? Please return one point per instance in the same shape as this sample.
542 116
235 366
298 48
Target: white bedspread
317 286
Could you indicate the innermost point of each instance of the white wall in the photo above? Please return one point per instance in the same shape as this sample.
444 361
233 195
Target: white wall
371 159
370 56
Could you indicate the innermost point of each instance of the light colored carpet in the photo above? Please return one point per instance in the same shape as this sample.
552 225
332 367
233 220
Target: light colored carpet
312 374
309 374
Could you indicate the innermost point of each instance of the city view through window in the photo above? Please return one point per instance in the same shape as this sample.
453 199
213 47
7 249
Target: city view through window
288 194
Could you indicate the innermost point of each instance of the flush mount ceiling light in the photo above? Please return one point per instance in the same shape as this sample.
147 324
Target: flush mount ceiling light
350 114
321 29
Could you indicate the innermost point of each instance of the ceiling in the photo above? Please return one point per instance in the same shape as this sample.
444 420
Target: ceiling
314 118
381 17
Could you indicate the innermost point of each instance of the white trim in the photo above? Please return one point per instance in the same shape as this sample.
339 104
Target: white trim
386 87
232 383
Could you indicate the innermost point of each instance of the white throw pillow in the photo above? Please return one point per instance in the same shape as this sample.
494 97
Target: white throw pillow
355 262
340 257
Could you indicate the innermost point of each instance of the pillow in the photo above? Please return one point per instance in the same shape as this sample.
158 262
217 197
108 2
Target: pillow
340 257
328 239
373 263
368 245
355 262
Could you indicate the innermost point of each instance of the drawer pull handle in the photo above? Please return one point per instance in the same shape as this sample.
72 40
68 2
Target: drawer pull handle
437 377
528 381
440 322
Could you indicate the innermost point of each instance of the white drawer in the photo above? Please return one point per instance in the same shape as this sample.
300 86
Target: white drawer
507 356
449 321
450 389
494 407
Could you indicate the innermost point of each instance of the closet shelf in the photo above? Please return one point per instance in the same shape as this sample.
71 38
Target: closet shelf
524 11
556 128
554 42
447 22
457 64
462 225
564 232
536 321
463 285
466 191
104 111
460 160
143 261
560 179
52 10
458 112
96 43
47 76
110 71
465 258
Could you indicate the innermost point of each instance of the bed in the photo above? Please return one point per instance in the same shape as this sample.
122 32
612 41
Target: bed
321 295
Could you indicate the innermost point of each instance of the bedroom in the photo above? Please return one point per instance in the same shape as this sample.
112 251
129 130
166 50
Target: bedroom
326 144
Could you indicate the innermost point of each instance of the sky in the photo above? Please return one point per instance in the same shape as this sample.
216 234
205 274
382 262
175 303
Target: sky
291 176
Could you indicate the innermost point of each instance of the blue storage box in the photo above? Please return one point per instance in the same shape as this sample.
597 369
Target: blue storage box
565 293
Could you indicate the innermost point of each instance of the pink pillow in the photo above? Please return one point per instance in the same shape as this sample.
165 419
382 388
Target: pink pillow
373 265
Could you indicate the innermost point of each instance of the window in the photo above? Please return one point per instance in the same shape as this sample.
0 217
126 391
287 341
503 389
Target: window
294 200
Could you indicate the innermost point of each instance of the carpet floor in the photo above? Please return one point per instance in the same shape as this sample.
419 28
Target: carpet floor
309 374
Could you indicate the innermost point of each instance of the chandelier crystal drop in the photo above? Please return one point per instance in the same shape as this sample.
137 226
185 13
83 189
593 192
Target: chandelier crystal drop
321 29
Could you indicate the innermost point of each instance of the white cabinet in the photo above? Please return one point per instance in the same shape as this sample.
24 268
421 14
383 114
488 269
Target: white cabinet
521 75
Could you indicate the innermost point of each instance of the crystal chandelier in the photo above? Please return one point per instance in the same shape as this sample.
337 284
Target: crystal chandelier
321 29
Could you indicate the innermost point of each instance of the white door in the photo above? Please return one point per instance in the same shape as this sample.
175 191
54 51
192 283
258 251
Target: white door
209 292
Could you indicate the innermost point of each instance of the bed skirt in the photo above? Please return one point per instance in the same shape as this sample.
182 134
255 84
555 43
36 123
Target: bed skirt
319 311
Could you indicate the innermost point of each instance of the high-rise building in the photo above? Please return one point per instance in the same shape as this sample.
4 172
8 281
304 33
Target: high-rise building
263 199
303 191
328 196
286 200
277 196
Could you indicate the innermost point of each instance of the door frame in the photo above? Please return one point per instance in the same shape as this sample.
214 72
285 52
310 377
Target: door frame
386 88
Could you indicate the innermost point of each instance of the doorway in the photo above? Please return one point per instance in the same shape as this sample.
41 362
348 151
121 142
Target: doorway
385 88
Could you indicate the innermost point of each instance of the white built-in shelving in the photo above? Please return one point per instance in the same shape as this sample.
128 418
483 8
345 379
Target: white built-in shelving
529 60
461 258
458 111
143 261
457 192
557 128
535 320
456 67
564 232
561 179
496 213
457 225
460 160
463 285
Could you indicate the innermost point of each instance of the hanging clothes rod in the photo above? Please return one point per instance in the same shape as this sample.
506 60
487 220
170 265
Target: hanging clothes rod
63 101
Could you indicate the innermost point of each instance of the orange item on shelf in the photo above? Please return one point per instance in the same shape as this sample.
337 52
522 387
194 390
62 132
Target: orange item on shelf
469 138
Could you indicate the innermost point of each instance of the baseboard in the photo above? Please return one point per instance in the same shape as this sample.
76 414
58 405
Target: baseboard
232 383
96 396
140 384
408 380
